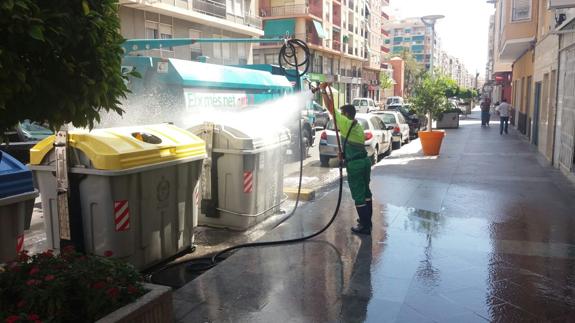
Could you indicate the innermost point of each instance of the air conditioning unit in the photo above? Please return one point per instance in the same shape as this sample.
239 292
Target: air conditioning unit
560 4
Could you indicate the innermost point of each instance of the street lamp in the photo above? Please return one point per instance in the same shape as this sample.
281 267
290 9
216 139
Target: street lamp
429 21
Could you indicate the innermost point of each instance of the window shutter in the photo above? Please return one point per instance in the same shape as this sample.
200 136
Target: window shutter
521 10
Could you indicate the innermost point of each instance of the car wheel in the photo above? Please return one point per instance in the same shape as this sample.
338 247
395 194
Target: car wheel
324 160
306 144
396 144
374 158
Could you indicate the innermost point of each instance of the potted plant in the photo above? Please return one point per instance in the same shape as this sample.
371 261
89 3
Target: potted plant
449 117
429 98
73 287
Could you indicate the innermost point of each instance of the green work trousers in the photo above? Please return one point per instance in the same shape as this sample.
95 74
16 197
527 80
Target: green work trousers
358 176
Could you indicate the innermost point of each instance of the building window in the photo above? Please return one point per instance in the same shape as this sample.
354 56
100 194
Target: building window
317 63
152 31
521 10
196 49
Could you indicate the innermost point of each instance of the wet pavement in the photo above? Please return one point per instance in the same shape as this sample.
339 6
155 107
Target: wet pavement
482 233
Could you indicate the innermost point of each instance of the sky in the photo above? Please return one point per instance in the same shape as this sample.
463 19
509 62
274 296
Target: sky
463 31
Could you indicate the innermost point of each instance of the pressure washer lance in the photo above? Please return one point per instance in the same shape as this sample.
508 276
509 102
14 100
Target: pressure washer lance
288 56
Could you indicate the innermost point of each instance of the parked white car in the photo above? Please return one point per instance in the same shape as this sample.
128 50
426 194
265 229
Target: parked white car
364 105
400 134
377 139
393 100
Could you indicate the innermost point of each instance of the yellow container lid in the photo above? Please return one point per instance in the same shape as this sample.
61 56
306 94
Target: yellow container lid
128 147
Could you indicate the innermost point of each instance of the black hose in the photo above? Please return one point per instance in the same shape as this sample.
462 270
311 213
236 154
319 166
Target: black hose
288 55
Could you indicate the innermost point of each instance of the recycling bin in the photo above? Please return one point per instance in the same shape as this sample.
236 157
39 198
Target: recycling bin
136 189
246 174
17 194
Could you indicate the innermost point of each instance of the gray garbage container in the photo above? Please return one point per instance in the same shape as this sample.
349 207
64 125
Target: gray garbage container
246 174
136 190
17 196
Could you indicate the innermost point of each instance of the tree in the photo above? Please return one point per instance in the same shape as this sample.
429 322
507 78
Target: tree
60 61
429 97
412 73
385 81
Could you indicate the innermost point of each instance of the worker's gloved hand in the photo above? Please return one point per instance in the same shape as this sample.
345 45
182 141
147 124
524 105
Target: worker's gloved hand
327 96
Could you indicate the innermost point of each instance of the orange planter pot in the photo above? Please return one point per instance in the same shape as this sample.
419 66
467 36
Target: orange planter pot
431 142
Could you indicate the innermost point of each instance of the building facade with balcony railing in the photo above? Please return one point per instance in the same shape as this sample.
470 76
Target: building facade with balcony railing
334 31
167 19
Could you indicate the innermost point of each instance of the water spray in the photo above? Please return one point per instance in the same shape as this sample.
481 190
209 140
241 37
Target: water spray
287 58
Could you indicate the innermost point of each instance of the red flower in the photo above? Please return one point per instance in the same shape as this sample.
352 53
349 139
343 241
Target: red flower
113 292
68 249
108 253
132 290
33 317
49 278
32 282
34 271
48 254
21 303
14 266
12 319
23 256
99 285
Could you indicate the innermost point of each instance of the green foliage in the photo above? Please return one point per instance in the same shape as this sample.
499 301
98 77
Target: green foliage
70 287
413 72
385 81
468 94
60 61
451 89
430 96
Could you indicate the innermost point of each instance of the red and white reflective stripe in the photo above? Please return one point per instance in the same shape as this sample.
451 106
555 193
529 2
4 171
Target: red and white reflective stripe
197 196
248 182
122 215
20 243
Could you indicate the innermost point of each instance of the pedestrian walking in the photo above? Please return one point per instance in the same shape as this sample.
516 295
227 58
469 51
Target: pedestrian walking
503 111
485 116
357 163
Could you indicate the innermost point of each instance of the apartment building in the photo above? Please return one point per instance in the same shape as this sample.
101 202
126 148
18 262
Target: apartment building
411 34
375 62
334 31
564 145
535 41
165 19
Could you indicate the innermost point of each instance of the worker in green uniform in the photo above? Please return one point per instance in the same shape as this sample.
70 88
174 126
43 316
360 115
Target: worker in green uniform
357 163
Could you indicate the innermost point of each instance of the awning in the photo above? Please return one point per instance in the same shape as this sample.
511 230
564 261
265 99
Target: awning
195 74
279 28
319 29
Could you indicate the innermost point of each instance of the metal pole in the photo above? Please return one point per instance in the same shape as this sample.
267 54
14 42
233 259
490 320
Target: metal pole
62 183
429 121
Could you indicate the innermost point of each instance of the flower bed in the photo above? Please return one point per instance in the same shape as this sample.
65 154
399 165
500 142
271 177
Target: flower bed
70 287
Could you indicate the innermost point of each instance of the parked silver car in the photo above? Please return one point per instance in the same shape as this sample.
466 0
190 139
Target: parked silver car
400 130
377 139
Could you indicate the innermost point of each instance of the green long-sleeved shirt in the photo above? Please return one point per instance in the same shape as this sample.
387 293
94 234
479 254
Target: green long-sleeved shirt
355 143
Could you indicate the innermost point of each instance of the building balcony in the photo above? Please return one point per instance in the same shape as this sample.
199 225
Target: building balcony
287 10
384 32
207 12
384 49
517 35
336 45
385 15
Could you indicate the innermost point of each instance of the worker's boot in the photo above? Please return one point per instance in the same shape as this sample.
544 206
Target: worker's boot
364 225
369 205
